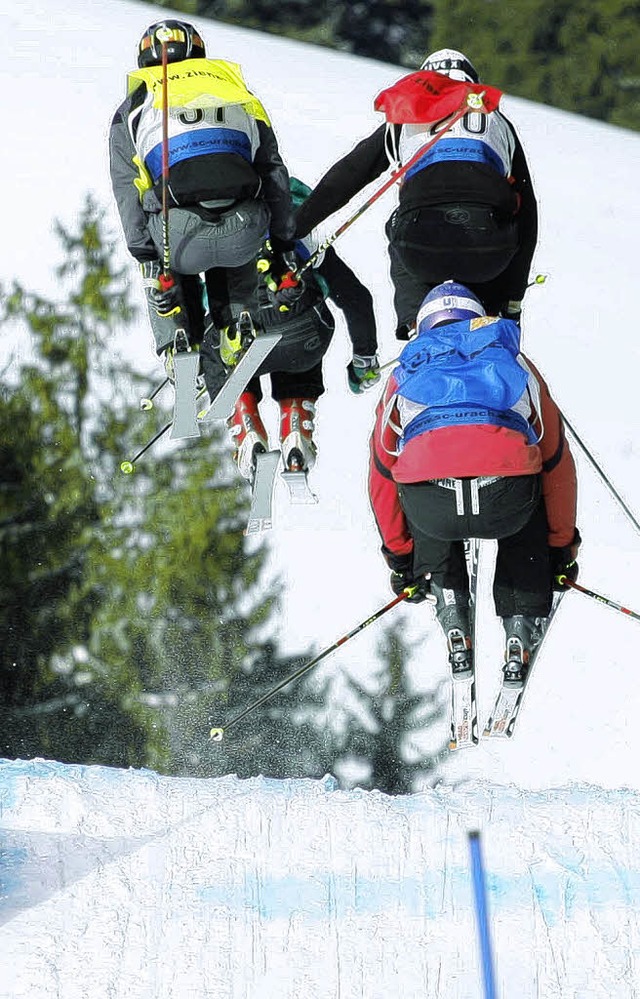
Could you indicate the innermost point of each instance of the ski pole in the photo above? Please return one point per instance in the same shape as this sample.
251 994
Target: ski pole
217 733
598 597
472 101
126 467
482 916
601 473
166 253
166 278
146 403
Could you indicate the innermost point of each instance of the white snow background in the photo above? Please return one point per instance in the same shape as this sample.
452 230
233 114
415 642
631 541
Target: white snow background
129 885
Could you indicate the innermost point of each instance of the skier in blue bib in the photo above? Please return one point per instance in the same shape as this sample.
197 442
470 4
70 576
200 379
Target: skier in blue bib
468 443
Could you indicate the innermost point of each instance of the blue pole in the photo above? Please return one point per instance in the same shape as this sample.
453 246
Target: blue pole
482 916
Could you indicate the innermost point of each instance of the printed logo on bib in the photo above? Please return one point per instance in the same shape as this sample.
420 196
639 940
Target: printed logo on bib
476 324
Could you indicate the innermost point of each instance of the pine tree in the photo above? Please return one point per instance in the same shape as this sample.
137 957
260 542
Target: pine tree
49 517
580 55
381 736
132 608
282 738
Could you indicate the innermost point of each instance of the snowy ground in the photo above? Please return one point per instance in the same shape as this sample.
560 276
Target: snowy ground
126 885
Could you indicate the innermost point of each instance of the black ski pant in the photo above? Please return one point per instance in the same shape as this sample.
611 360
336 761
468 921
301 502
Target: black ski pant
441 514
461 243
291 384
204 330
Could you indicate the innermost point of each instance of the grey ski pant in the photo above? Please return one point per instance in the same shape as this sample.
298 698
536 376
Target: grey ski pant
221 245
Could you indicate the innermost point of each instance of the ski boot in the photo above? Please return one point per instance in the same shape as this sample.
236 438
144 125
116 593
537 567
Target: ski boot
248 434
452 612
236 338
524 634
296 429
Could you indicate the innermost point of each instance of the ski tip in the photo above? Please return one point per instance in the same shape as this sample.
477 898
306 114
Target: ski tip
126 467
454 745
216 734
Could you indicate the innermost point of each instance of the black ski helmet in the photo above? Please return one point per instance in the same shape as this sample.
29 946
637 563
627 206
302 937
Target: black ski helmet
183 42
451 63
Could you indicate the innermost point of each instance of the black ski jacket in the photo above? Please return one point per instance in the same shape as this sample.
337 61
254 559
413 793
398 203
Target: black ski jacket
447 182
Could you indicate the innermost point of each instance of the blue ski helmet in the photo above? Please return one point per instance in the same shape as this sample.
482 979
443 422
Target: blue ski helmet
183 42
451 63
448 303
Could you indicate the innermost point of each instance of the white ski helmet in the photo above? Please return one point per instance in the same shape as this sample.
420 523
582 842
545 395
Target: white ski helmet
451 63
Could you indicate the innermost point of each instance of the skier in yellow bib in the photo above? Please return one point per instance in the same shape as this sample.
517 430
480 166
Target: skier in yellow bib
207 147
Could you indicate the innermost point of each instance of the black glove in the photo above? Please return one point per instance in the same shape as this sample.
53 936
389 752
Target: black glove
563 562
279 263
289 289
405 331
400 581
165 301
150 271
363 373
402 576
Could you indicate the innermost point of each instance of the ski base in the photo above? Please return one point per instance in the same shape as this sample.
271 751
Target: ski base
260 514
464 708
464 714
501 722
221 407
186 365
298 485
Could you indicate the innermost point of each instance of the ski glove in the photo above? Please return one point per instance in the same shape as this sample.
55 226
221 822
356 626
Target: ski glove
363 373
288 291
279 265
151 271
563 562
512 310
165 299
400 581
405 331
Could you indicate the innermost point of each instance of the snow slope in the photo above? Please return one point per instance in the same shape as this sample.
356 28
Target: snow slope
126 885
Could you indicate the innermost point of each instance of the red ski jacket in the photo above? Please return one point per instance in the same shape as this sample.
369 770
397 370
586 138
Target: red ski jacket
470 452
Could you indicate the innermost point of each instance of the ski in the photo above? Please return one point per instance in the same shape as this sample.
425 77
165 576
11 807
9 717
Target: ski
186 365
222 406
501 722
464 717
260 513
464 708
298 485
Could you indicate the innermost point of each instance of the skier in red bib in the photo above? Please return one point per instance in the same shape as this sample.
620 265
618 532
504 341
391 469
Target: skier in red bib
466 209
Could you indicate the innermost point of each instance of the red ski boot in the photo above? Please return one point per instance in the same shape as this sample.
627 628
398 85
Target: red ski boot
296 429
248 434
